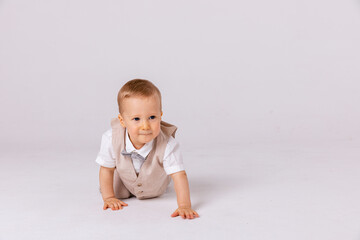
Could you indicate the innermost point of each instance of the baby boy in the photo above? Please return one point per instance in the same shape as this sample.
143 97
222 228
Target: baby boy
139 154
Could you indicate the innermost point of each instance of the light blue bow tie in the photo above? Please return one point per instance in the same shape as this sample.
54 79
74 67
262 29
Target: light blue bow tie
132 155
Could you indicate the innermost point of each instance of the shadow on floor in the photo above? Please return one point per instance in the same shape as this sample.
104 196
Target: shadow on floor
211 189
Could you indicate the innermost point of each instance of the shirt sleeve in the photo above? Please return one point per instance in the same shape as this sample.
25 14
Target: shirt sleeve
173 160
106 154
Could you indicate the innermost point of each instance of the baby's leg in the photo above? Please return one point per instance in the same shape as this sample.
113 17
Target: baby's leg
120 190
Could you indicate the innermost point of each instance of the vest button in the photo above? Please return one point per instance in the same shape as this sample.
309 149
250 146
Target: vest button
139 185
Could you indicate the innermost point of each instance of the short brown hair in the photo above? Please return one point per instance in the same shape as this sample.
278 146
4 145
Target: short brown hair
137 87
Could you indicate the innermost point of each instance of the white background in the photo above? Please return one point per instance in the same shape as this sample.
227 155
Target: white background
232 74
229 71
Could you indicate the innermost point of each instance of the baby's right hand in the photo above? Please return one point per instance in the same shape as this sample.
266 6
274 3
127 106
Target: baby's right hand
113 203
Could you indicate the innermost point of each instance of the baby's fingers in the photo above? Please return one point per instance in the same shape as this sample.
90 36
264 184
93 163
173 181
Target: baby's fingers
175 214
115 206
190 214
119 205
182 214
105 206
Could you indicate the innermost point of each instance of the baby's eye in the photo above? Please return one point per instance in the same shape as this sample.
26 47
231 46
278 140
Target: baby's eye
136 119
152 117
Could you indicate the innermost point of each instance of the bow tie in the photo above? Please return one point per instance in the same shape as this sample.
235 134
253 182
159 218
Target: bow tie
132 155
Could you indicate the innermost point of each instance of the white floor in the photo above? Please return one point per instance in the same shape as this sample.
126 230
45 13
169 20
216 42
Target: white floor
258 191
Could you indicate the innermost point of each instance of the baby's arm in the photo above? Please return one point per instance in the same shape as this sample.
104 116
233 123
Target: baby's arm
106 176
181 185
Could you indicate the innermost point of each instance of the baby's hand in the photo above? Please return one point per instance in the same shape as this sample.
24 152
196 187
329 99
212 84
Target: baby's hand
185 212
113 203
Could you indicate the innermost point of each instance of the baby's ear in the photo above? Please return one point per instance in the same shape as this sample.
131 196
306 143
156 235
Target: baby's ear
121 120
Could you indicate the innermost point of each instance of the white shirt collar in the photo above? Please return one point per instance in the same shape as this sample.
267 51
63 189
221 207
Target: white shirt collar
144 151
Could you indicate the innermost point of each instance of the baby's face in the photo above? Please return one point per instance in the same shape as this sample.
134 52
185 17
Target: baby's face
141 117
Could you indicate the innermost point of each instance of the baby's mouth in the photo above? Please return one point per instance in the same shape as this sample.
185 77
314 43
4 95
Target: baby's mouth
145 133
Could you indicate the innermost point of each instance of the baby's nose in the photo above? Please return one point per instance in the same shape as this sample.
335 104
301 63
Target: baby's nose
145 125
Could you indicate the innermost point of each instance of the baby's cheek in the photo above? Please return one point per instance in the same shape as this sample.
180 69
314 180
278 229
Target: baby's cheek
157 131
133 134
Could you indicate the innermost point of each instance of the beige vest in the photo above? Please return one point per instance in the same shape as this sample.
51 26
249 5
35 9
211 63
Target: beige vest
152 179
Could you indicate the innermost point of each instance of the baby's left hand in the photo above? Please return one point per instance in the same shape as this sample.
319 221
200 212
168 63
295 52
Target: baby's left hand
185 212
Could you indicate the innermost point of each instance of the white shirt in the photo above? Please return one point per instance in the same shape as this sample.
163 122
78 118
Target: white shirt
173 161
